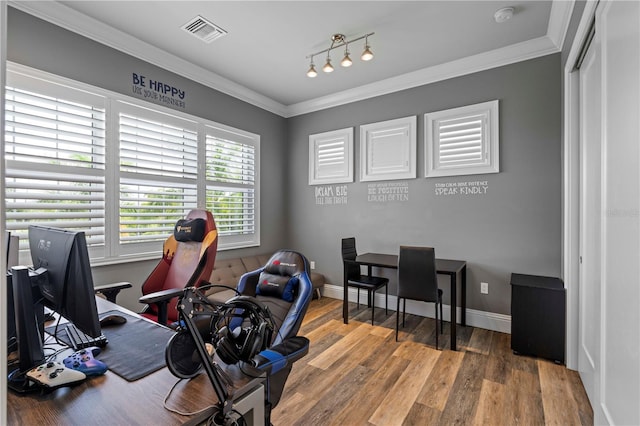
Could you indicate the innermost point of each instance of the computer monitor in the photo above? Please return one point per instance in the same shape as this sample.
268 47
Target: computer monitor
60 279
68 289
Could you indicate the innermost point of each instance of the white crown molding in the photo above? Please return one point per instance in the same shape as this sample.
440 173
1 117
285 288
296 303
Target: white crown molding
72 20
504 56
559 20
86 26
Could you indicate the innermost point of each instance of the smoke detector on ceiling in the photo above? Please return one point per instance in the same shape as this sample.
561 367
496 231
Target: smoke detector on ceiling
205 30
503 14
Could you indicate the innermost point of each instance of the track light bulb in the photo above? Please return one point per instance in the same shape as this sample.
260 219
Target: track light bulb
346 61
367 55
312 71
328 67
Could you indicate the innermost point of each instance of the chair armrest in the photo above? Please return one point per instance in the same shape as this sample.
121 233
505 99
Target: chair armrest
277 357
161 300
111 291
161 296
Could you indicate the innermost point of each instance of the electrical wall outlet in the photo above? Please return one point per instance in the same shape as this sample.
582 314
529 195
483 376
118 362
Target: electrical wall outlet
312 264
484 288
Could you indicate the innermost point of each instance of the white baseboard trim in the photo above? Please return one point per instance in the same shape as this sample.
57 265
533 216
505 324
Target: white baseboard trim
481 319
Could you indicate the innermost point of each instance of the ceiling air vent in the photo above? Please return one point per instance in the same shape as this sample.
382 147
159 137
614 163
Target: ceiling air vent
203 29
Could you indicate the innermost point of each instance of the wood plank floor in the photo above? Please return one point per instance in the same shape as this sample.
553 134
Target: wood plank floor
357 374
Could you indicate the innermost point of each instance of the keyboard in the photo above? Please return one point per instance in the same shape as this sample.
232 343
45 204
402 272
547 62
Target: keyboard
80 340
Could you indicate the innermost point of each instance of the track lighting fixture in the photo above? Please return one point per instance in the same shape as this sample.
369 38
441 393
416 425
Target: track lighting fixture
339 40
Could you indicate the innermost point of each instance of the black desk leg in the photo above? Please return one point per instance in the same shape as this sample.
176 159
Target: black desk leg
345 297
463 297
454 298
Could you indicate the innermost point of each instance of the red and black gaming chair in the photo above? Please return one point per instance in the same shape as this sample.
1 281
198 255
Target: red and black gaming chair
187 261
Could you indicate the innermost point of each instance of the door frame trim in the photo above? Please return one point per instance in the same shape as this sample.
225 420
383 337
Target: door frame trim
571 185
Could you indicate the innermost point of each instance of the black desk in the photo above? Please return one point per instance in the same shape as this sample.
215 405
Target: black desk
110 400
456 269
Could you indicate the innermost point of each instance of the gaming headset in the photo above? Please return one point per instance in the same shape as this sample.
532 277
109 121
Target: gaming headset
243 330
238 330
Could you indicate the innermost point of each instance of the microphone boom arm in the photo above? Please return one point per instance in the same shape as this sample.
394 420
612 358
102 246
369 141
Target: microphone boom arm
187 311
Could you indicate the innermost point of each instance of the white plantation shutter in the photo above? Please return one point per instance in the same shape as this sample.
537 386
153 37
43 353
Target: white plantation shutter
231 172
158 173
331 157
462 141
388 149
120 169
55 162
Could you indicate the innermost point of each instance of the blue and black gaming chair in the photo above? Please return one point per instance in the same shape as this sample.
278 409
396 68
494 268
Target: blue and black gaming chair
284 287
257 328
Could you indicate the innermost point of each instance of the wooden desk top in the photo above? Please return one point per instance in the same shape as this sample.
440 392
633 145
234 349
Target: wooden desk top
111 400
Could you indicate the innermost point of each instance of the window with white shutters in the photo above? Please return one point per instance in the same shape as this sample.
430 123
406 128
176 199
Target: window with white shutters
55 161
462 141
158 156
388 149
231 172
331 157
120 169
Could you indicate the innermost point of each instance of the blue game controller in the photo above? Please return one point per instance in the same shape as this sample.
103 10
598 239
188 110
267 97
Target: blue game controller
84 361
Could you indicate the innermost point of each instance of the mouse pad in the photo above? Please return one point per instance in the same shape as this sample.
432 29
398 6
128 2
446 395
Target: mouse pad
135 348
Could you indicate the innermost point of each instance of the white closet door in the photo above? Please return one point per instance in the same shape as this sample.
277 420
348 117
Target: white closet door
590 220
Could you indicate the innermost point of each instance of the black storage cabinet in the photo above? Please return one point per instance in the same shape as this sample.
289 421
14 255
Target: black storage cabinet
538 306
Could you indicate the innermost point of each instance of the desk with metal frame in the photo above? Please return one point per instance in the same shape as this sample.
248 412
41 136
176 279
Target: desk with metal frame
110 399
455 269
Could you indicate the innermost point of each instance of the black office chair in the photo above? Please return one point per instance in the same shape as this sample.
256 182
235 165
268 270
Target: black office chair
418 280
354 278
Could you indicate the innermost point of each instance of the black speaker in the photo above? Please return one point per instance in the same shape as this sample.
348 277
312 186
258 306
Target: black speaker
538 316
12 335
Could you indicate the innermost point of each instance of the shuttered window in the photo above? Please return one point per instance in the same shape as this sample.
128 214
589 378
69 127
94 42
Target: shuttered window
331 157
231 172
388 149
55 162
158 155
462 141
120 169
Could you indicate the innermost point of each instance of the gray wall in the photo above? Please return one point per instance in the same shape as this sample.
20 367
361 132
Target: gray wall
515 227
41 45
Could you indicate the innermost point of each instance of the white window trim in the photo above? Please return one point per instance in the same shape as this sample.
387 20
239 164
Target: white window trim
490 142
112 255
403 130
343 137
